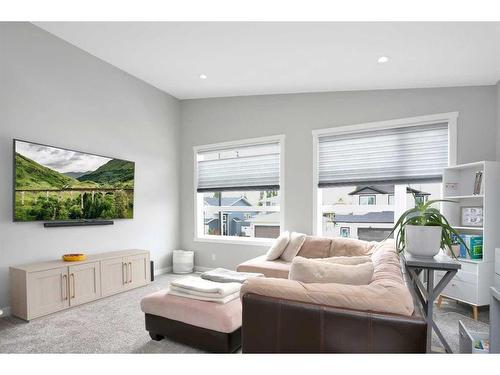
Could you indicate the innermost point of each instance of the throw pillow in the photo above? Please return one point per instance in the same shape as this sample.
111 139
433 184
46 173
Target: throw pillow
293 247
278 246
313 271
315 247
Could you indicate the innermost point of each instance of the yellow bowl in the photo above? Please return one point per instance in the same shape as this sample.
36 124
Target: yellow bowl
74 257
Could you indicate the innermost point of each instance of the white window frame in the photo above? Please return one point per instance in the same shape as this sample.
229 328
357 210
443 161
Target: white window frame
389 199
368 195
451 118
348 231
199 233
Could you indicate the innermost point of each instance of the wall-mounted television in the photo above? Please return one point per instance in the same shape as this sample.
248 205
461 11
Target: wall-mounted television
56 184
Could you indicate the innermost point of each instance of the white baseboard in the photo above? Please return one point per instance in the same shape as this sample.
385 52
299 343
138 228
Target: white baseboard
161 271
6 311
169 269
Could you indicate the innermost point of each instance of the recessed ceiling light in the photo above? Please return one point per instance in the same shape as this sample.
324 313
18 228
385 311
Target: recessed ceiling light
203 76
382 59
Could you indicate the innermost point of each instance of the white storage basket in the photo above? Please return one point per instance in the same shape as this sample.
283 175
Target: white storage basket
183 261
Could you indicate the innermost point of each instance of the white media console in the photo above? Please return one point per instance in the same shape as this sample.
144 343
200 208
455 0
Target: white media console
43 288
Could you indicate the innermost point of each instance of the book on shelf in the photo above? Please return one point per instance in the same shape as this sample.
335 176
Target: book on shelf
477 182
475 245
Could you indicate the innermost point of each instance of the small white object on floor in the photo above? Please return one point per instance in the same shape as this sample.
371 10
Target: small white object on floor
183 261
222 275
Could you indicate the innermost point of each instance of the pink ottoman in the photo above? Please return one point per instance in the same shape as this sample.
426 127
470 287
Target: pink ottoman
209 326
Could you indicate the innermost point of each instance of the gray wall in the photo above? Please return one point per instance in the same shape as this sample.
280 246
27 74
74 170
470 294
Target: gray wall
54 93
207 121
498 119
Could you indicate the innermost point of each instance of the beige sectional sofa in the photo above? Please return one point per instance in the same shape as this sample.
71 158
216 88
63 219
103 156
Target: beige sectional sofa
313 247
368 316
387 293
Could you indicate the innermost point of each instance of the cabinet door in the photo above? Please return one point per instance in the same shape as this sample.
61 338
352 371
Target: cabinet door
138 270
48 292
84 283
112 276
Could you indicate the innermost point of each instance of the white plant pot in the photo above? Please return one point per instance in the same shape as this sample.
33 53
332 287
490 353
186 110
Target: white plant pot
423 241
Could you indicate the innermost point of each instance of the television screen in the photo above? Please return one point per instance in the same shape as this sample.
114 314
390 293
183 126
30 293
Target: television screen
55 184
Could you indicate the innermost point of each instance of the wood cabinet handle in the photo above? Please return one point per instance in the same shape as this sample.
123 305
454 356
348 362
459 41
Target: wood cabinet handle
125 273
130 265
65 287
72 276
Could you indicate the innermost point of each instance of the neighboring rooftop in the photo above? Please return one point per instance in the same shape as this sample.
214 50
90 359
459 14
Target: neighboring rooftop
370 217
383 189
228 201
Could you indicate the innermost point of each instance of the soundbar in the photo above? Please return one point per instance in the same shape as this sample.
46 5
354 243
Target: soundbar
77 223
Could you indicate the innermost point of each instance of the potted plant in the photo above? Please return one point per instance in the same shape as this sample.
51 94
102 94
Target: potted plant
423 230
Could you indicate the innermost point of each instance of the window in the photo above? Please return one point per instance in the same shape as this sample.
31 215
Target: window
390 200
243 214
224 224
238 190
420 199
367 175
345 232
365 200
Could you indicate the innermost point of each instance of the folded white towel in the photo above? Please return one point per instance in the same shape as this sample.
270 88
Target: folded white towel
196 293
222 275
206 286
221 300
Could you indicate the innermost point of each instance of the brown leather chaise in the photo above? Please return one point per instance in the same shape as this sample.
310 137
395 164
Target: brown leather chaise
286 316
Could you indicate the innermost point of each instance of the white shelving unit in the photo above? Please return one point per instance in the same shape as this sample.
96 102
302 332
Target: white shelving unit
472 283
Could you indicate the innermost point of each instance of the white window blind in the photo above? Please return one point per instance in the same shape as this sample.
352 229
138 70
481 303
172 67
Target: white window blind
398 155
255 167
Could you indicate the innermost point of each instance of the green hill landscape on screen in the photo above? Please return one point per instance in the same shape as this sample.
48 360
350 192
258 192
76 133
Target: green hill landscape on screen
45 194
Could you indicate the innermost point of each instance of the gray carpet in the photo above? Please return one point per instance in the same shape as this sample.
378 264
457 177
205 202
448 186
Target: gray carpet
111 325
116 325
447 318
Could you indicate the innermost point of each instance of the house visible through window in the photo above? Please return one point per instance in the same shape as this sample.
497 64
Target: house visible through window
238 190
366 179
370 222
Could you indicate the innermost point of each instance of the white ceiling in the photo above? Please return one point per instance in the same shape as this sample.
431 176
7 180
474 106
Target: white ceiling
268 58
